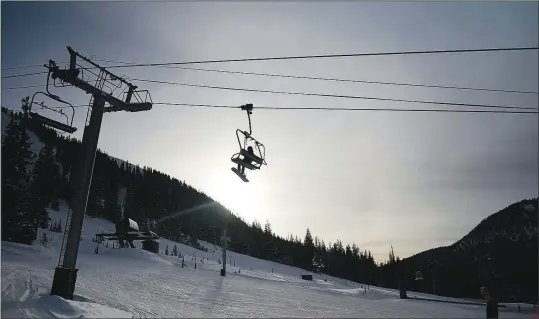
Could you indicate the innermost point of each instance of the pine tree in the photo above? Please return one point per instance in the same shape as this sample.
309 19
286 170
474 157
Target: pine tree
193 232
308 250
166 250
175 251
94 205
12 173
308 242
392 259
269 244
17 223
43 185
25 106
267 228
44 240
111 208
44 220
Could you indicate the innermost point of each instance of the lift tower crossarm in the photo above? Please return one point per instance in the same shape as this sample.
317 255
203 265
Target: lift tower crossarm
71 76
66 76
73 54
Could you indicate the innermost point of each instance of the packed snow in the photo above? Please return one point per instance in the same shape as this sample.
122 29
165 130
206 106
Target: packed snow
125 283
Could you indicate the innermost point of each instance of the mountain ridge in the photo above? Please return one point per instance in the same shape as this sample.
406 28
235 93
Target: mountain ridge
502 246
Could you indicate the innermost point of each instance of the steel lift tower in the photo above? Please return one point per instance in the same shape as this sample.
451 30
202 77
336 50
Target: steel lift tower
103 99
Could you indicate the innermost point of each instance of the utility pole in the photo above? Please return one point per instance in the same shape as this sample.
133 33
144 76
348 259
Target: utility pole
433 265
225 242
65 274
223 271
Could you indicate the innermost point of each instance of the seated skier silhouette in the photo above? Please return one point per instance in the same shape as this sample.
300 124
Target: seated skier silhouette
241 168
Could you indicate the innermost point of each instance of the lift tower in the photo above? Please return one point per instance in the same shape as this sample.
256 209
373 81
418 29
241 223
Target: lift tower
102 91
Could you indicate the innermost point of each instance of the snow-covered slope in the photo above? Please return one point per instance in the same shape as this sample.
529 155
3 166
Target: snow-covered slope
132 282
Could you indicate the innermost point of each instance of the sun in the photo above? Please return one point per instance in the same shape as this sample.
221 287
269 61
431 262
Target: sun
244 199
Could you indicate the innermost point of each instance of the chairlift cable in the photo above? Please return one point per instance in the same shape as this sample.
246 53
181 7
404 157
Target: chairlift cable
344 109
23 87
335 95
329 108
22 67
124 65
304 57
328 95
21 75
170 64
319 78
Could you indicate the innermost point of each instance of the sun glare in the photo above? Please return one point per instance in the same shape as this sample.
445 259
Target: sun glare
244 199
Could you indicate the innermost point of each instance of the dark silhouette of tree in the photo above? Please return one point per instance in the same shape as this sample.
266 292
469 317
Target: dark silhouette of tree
18 224
392 259
308 250
43 186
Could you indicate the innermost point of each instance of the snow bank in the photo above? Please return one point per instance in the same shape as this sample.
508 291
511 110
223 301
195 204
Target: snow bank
56 307
60 308
135 255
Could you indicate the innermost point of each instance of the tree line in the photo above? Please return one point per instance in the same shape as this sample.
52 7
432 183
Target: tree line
149 195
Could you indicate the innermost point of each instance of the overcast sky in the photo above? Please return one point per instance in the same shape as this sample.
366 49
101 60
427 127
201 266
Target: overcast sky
411 180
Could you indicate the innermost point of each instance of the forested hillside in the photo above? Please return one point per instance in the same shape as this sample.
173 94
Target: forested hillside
503 246
153 195
37 164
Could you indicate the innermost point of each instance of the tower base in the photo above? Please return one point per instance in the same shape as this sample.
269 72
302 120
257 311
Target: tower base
63 282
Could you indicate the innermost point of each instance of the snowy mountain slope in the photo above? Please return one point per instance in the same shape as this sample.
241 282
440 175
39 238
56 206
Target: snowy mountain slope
123 282
515 223
503 245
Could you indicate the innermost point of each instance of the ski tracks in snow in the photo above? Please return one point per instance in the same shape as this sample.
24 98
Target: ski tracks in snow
16 289
19 294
